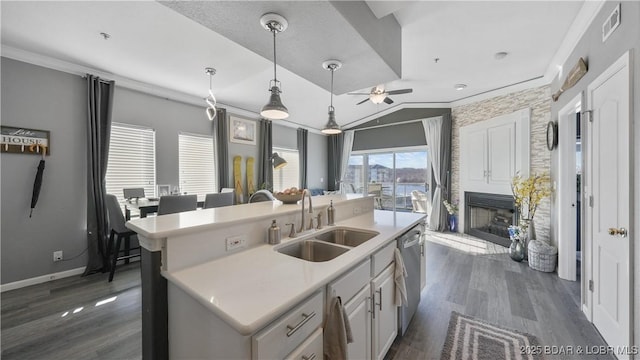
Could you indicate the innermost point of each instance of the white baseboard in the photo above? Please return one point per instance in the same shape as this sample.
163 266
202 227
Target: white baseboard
40 279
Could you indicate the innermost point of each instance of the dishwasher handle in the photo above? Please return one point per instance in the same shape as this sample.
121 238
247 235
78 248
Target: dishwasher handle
411 239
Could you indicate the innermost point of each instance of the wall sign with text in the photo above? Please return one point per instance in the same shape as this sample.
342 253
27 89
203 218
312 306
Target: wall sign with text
23 140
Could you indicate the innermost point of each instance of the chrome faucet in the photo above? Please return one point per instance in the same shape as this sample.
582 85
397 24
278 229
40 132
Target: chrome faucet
308 194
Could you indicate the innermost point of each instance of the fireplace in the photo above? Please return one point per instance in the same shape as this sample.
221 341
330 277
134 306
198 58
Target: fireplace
488 216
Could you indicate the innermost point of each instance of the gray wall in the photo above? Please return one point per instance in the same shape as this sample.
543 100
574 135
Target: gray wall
390 136
404 115
41 98
38 98
286 137
599 57
167 118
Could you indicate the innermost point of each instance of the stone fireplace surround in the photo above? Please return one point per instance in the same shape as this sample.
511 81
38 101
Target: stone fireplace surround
488 216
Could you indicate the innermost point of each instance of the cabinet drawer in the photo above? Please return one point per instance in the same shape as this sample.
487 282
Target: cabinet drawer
285 334
383 258
347 285
310 349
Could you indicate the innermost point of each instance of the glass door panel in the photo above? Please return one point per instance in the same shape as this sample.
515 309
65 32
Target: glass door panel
412 174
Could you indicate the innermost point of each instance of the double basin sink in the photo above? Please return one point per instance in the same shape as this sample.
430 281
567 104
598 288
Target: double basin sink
327 245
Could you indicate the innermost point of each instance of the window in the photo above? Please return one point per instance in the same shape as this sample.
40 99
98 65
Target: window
289 175
132 159
196 164
398 170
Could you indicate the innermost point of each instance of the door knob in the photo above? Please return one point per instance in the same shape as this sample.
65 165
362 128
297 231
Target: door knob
621 232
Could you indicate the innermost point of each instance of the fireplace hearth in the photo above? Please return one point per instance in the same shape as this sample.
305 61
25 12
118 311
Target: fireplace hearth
488 216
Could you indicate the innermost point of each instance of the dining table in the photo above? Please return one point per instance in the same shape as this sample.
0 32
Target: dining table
146 206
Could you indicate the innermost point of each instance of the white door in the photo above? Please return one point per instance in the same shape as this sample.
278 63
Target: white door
608 100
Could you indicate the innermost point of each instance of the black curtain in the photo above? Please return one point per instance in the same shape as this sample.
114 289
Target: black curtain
265 169
221 130
99 111
334 152
302 153
445 170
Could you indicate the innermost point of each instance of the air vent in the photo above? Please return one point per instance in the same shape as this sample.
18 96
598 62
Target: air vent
612 22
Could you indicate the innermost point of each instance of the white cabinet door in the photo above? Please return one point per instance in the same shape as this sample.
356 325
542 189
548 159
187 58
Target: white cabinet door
385 312
359 312
501 154
474 145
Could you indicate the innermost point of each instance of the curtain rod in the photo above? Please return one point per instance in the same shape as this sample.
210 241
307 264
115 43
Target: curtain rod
99 78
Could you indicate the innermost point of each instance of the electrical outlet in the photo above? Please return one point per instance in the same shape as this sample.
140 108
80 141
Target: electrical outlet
235 242
356 210
57 255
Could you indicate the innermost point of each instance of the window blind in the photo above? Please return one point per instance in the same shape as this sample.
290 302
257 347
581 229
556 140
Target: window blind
196 164
132 159
289 175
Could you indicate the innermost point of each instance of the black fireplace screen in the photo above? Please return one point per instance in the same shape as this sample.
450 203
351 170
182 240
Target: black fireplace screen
488 216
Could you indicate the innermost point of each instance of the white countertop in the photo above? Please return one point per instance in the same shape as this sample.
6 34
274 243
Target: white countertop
158 227
249 289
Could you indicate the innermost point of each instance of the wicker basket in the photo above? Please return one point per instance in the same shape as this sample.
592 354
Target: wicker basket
542 257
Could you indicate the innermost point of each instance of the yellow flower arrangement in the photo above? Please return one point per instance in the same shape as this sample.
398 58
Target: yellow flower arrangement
528 193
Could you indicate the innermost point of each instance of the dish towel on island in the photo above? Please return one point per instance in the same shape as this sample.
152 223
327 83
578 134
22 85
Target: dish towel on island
399 278
337 331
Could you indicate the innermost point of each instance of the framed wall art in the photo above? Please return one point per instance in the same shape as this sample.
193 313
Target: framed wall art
242 131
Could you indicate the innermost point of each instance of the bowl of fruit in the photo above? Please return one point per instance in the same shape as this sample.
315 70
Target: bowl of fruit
289 196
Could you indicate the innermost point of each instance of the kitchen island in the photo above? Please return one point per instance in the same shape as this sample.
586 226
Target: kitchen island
244 287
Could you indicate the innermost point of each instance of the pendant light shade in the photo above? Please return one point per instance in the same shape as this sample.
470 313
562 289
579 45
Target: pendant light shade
274 109
332 126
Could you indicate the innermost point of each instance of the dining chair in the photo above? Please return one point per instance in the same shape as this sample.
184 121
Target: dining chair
218 200
133 193
419 201
261 195
170 204
376 190
118 233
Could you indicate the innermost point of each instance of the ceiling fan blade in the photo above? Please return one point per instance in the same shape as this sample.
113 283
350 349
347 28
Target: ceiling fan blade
363 101
388 100
400 91
357 93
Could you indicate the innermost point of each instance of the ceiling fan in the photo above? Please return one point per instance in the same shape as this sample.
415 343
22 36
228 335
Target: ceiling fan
379 95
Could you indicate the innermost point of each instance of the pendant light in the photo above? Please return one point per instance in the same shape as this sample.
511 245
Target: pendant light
210 99
274 109
332 126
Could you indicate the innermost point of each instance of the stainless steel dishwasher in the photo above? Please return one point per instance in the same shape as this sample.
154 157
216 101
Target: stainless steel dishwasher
409 245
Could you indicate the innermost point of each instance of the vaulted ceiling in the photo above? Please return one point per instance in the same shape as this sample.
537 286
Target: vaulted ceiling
426 45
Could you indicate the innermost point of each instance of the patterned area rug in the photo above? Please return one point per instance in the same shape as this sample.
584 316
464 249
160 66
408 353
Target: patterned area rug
470 338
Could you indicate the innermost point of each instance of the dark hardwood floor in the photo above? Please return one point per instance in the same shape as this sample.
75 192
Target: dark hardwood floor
478 279
62 319
464 275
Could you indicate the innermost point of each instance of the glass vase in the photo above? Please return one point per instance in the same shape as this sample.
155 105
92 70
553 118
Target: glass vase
516 250
453 223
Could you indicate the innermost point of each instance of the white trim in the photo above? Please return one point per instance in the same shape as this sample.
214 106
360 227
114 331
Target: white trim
40 279
566 201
